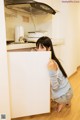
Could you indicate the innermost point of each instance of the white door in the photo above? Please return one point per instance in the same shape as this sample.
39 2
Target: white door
29 83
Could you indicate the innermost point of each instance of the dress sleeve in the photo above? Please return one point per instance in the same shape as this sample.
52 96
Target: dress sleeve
54 80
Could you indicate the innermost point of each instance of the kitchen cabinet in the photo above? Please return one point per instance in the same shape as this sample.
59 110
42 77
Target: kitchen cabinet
29 83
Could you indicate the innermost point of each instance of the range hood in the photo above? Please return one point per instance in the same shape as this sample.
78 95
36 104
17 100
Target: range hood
31 6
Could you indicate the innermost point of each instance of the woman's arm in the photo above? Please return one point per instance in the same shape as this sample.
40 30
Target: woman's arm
52 67
54 80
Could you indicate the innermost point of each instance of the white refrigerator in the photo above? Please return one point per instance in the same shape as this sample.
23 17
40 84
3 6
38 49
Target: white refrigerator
29 83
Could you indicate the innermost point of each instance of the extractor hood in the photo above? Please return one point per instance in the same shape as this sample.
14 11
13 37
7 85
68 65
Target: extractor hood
31 6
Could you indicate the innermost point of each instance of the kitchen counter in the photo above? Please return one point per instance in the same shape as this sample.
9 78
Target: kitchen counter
23 46
20 46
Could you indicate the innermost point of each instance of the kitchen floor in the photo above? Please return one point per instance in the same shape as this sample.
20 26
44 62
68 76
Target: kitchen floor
68 113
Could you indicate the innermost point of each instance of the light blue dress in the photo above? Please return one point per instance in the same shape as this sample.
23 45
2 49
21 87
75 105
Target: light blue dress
60 87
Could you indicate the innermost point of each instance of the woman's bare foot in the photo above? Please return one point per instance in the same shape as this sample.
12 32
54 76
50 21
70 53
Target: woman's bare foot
60 107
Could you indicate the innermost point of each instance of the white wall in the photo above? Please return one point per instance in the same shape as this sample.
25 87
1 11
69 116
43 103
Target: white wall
66 26
78 32
70 37
44 23
4 83
15 18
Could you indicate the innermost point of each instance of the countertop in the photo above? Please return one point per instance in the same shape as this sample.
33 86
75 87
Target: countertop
17 46
20 46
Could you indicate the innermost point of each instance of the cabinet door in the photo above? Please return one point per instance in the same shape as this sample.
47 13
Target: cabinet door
29 83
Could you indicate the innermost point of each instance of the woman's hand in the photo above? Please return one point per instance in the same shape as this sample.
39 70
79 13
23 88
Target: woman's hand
52 65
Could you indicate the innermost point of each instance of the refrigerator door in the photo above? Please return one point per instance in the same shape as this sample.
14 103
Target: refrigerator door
29 83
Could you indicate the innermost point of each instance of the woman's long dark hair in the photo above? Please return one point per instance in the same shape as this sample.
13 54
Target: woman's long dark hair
46 41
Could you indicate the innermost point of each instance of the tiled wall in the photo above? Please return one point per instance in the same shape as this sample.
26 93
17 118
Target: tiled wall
29 22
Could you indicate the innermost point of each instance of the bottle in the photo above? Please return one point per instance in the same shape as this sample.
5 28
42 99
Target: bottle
19 32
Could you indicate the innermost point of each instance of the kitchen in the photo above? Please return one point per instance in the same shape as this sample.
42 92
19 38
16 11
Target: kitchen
69 51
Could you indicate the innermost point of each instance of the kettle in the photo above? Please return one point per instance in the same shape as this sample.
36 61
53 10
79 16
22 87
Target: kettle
19 32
